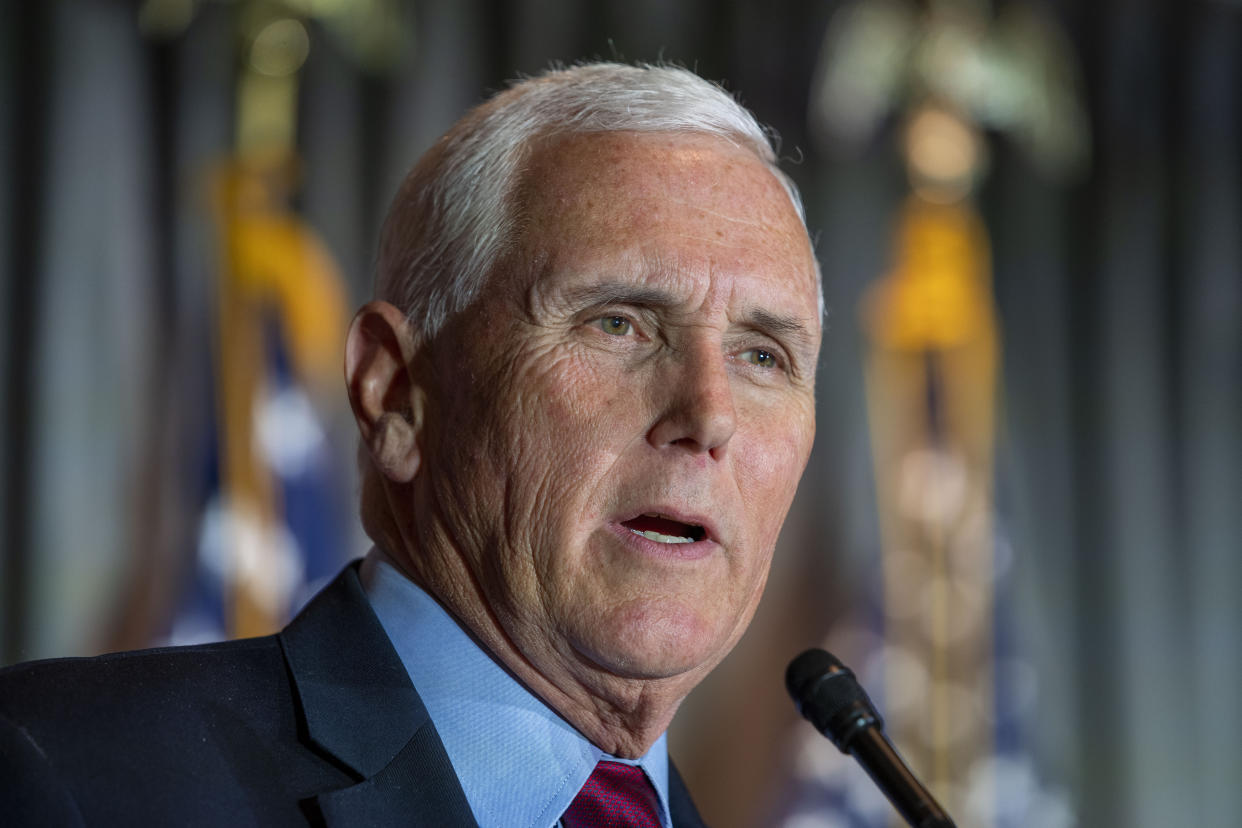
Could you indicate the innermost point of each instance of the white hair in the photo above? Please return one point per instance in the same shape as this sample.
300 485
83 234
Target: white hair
454 215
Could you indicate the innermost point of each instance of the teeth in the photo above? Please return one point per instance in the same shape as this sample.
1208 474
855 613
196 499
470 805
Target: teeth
658 538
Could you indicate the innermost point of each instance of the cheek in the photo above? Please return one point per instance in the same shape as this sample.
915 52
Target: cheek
580 413
767 475
558 426
585 390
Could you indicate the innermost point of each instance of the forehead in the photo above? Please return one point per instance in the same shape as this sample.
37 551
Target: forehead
665 204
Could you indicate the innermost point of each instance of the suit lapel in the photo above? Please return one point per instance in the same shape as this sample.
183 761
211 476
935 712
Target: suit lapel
360 708
417 788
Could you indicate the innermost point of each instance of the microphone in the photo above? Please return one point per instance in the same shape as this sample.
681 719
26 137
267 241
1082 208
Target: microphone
829 697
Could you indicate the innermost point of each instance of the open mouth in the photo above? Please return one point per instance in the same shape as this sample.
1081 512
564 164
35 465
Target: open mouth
664 530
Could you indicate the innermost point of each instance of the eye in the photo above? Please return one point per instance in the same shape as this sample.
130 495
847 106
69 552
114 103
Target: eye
615 325
759 357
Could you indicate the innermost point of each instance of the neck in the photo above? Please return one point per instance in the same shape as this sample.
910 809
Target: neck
621 716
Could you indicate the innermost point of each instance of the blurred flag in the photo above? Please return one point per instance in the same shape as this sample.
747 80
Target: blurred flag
934 641
274 522
276 517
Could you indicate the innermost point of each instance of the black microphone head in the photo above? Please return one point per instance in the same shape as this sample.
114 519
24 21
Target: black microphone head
829 697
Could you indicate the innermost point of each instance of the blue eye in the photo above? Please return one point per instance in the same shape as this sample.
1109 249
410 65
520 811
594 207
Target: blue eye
759 357
615 325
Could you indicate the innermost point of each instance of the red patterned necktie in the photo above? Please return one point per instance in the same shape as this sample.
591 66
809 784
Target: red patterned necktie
616 796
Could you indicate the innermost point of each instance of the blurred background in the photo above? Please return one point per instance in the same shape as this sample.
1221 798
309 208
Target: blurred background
1022 521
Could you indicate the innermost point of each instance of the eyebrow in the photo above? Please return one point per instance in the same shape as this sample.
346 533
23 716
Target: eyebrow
779 326
619 293
775 325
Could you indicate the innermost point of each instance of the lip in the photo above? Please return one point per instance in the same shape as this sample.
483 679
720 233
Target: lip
693 550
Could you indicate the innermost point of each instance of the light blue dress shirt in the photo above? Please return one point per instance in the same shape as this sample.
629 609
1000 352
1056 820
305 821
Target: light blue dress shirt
519 763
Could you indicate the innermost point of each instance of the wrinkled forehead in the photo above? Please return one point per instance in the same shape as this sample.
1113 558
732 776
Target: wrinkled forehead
621 191
696 167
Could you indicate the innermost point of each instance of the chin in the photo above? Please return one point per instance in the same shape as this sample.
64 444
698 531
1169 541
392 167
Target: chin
656 642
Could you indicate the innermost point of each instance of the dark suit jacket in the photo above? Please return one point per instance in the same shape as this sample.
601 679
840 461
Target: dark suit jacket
318 725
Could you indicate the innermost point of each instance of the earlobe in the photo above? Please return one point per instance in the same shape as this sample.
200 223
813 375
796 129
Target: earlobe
385 397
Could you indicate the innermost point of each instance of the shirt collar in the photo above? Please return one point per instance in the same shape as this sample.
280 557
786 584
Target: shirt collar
518 762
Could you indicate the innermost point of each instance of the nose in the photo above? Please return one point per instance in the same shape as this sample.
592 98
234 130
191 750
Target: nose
697 412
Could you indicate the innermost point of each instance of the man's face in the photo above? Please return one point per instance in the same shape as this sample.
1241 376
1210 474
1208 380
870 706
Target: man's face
619 424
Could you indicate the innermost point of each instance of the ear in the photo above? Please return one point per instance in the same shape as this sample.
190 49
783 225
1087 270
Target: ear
387 401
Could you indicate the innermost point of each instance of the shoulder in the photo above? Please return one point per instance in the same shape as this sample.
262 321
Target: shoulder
142 683
148 706
238 733
79 735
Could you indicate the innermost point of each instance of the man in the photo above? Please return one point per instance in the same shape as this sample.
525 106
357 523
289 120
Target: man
585 397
